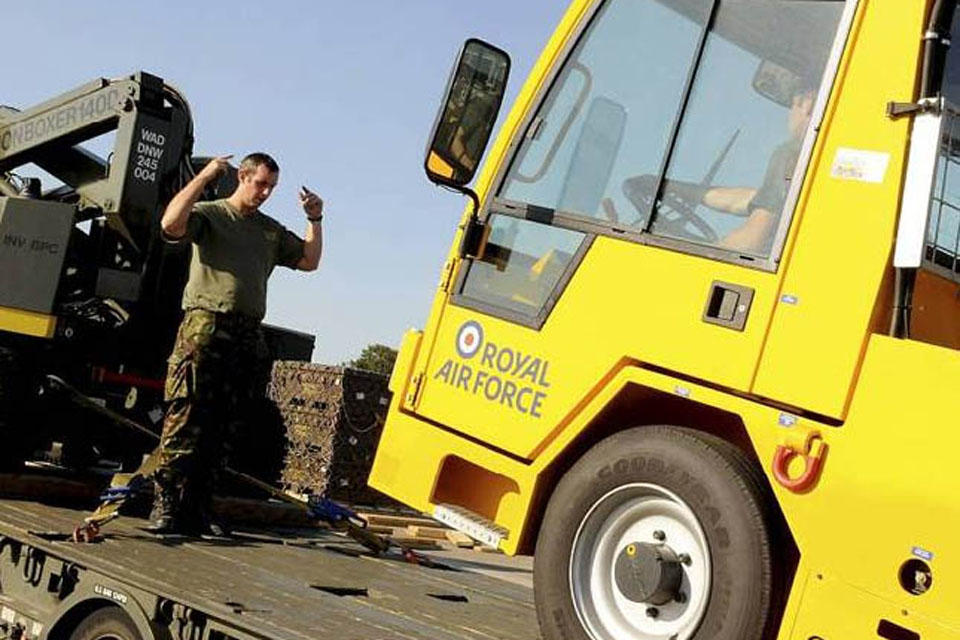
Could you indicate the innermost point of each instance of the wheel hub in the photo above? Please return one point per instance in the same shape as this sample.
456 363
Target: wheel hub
648 573
640 566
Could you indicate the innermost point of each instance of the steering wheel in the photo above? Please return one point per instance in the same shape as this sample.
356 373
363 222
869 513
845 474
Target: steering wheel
676 211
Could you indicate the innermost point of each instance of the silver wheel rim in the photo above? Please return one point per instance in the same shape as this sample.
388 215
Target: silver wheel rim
628 514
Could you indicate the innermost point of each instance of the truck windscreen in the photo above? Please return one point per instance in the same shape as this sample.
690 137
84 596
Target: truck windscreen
705 105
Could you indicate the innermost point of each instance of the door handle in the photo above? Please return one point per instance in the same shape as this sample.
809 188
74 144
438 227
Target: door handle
728 305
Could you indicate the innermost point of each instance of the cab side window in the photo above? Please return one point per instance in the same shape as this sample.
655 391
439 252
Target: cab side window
935 304
523 263
942 249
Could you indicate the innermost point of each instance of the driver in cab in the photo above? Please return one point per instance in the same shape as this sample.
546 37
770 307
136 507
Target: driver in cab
761 206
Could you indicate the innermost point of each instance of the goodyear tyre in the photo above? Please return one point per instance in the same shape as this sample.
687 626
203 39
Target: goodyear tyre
657 532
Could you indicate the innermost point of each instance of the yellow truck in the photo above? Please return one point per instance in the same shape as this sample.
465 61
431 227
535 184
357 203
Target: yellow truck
695 342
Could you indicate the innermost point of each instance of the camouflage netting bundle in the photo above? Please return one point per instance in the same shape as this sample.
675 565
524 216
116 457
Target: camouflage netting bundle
333 418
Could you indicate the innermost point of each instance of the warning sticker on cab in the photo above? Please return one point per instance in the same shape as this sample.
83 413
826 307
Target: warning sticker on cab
860 165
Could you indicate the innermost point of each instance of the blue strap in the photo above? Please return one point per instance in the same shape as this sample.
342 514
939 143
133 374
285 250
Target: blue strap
321 508
116 494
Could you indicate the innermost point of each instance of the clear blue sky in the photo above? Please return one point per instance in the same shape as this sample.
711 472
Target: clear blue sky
343 94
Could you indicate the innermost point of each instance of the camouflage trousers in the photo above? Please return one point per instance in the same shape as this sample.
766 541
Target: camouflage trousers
216 370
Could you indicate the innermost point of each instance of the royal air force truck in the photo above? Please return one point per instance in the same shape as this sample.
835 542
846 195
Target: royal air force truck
695 342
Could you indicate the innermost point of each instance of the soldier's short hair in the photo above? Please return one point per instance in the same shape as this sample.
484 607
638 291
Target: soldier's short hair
253 160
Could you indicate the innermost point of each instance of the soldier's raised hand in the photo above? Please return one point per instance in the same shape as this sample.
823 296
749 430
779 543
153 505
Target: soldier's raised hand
215 168
312 203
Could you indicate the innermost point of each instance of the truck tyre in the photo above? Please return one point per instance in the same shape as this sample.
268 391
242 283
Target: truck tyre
657 532
108 623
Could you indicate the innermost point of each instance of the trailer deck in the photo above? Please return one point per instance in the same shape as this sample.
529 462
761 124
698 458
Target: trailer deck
282 584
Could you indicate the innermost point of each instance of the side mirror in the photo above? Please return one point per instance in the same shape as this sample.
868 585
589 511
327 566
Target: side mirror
469 110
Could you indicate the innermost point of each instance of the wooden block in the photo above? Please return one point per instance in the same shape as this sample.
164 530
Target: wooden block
387 520
379 530
461 540
432 533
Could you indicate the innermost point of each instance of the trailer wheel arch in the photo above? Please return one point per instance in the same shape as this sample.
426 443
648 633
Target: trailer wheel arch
64 627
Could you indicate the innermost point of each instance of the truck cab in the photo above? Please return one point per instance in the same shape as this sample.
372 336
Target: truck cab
695 341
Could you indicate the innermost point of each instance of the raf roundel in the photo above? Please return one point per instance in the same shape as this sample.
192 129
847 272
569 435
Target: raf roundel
469 339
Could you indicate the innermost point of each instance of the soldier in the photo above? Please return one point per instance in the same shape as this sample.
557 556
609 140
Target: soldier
211 372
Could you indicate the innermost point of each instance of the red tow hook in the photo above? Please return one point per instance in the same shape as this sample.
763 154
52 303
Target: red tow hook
813 449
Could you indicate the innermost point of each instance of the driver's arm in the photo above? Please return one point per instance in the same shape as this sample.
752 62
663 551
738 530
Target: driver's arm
738 201
763 205
733 200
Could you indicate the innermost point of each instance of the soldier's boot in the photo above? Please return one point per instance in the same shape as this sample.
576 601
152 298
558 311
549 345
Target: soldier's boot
165 517
210 525
198 516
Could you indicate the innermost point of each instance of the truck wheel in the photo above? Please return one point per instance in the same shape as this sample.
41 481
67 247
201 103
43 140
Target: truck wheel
657 532
109 623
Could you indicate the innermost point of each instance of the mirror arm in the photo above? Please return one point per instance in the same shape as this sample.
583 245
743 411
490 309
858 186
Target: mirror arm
474 199
462 189
472 236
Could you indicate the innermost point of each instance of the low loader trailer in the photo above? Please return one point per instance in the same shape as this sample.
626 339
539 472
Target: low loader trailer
265 583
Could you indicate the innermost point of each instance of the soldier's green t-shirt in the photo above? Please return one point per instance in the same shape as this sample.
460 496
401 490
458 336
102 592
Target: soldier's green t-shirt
233 256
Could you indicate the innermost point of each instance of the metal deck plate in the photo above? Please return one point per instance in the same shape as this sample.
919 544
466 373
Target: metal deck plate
284 585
